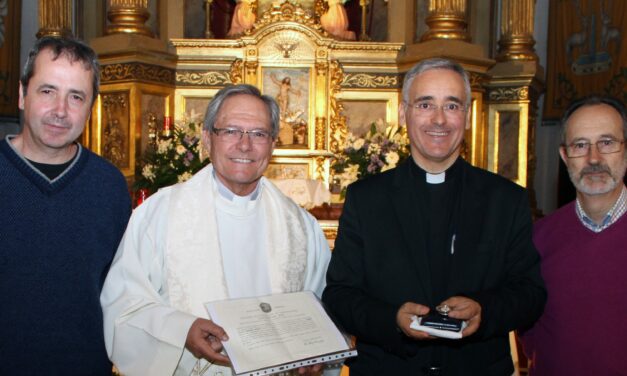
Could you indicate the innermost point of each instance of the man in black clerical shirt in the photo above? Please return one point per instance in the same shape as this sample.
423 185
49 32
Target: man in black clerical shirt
434 232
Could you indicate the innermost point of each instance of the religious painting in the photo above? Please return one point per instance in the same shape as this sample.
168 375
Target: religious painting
290 87
360 115
362 109
589 52
192 104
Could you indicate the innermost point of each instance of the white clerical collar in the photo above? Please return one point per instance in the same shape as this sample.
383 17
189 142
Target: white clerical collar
436 178
230 196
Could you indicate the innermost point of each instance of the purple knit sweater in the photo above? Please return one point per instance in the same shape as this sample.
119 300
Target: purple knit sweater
583 330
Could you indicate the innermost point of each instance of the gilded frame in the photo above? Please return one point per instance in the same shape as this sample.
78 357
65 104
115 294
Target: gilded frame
496 114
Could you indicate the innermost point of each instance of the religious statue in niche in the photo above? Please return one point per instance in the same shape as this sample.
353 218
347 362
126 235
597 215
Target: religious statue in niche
335 20
243 18
289 88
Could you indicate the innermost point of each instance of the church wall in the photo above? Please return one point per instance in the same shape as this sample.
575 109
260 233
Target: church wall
547 135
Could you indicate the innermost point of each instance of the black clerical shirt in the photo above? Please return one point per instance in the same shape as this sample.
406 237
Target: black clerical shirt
438 204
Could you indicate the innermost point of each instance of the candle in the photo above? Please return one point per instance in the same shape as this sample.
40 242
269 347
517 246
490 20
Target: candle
141 195
167 126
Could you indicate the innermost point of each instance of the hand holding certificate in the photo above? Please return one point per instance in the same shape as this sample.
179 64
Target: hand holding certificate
276 333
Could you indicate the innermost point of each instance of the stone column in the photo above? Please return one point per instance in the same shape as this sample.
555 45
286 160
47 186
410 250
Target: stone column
516 42
447 20
55 18
128 16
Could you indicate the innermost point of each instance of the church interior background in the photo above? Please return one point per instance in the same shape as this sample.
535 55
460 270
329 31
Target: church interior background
335 66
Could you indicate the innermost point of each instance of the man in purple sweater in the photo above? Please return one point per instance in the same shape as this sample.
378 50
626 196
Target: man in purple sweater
583 330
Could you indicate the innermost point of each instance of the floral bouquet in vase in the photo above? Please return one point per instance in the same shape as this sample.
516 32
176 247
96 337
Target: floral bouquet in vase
375 152
172 159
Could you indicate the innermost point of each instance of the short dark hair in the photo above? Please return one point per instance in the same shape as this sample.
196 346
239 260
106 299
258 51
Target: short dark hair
593 100
71 48
436 63
242 89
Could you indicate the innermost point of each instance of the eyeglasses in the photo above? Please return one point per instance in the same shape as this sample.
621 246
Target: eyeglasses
428 108
582 148
257 137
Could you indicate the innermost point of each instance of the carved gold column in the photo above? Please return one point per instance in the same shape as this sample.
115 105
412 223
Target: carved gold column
446 20
516 83
55 18
517 41
128 16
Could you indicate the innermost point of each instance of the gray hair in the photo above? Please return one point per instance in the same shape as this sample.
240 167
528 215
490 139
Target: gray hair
436 63
242 89
593 100
73 49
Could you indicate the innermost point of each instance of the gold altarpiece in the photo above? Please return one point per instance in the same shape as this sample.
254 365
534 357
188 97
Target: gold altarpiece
290 57
326 87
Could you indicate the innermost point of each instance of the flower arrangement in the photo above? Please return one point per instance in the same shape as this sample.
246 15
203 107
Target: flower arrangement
375 152
173 159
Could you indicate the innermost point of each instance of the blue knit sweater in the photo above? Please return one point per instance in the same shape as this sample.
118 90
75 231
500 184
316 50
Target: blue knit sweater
57 240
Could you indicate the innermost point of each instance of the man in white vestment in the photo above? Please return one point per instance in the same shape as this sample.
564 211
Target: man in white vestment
226 233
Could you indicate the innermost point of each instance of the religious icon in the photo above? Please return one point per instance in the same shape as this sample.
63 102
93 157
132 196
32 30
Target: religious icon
289 90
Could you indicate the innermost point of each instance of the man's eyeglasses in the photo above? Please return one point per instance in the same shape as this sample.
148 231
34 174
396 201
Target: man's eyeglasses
582 148
257 137
428 108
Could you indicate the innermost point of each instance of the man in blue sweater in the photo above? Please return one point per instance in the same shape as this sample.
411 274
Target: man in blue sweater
64 210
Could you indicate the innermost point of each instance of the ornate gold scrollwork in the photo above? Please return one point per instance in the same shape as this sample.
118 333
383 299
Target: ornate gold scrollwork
237 72
286 11
136 71
320 168
337 125
321 124
505 94
363 80
203 79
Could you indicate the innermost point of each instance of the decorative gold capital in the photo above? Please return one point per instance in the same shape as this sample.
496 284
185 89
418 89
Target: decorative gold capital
321 68
128 16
